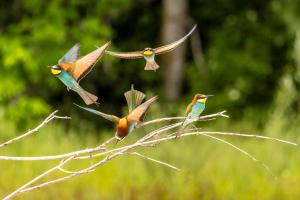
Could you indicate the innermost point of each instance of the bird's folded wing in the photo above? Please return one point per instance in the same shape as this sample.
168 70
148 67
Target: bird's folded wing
128 55
85 64
112 118
71 56
170 47
139 112
188 109
134 98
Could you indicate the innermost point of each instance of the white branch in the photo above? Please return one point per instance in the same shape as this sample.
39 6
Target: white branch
115 153
243 151
148 139
37 178
46 121
155 160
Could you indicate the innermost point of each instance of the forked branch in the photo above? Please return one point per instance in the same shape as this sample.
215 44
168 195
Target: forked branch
29 132
153 138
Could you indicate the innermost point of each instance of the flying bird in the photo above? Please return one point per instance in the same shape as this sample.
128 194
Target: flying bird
136 113
71 69
193 110
149 53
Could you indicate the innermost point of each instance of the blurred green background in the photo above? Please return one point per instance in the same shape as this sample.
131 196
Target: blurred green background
246 53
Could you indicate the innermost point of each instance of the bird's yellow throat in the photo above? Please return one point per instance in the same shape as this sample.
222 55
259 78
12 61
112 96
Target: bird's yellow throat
148 53
55 71
202 100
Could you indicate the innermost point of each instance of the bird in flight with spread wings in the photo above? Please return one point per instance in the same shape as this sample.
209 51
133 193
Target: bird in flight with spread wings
149 53
71 69
136 113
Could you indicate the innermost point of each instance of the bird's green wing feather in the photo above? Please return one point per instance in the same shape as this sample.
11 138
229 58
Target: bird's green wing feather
71 56
134 98
112 118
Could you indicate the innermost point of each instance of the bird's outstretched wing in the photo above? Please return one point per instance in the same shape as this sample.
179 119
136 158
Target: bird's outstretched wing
112 118
139 112
134 98
170 47
85 64
127 55
71 56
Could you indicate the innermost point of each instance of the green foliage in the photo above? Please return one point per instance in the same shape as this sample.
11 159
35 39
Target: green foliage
36 36
248 47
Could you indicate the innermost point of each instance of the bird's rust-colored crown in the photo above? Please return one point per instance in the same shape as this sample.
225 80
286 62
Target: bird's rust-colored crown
196 97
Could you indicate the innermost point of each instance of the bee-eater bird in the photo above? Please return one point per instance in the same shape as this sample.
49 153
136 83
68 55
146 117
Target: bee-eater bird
193 110
71 69
149 53
136 114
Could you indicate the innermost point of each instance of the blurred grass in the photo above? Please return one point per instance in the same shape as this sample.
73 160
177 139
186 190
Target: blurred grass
209 169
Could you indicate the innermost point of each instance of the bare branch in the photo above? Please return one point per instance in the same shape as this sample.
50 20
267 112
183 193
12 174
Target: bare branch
180 118
92 150
244 152
46 121
70 172
115 153
48 183
99 148
37 178
148 139
253 135
155 160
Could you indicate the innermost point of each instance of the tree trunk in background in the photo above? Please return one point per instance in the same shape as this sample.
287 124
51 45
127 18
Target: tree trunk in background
174 27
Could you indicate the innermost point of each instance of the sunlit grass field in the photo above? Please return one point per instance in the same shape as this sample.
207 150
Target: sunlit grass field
209 168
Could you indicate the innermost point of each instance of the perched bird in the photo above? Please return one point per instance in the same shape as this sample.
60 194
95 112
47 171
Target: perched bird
193 110
135 115
149 53
71 69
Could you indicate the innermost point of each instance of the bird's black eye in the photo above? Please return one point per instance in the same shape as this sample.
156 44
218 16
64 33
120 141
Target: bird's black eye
55 70
56 67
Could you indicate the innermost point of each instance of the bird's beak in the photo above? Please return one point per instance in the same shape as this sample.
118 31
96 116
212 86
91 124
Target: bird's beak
208 95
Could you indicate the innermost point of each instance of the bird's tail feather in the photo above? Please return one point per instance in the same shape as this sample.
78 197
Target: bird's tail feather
88 98
182 127
134 98
151 65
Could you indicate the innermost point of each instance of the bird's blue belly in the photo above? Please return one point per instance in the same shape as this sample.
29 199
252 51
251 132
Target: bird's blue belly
68 80
197 109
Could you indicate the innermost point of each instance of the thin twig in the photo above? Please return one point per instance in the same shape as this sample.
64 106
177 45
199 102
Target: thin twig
69 172
118 152
253 135
37 178
46 121
155 160
91 150
48 183
101 147
180 118
148 139
244 152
